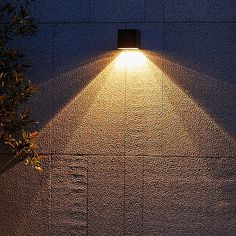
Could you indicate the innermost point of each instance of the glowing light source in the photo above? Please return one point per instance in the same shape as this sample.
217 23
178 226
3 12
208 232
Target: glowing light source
128 39
130 59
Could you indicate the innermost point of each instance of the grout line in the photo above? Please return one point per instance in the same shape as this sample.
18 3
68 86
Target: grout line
53 82
162 75
142 196
163 11
124 230
125 138
89 11
50 194
87 200
50 183
132 155
125 111
35 10
131 22
145 11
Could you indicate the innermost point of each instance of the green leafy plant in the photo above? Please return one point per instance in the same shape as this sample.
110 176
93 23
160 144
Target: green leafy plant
15 90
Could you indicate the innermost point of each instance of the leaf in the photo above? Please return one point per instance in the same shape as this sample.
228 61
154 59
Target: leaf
14 88
38 168
34 134
9 7
2 98
33 145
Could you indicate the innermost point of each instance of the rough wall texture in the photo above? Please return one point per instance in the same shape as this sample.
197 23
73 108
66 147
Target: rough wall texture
133 150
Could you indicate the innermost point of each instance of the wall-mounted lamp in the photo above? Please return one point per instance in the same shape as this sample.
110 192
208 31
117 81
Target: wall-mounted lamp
128 39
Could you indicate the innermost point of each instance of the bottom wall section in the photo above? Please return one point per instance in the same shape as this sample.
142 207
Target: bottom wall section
117 195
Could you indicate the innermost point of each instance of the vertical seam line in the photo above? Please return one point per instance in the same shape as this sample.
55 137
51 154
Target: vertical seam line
89 11
87 199
125 116
124 233
53 82
142 195
51 155
145 10
162 77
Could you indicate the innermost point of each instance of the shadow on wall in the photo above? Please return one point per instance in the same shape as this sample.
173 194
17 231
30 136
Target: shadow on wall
7 160
216 97
203 110
198 107
68 82
88 108
61 90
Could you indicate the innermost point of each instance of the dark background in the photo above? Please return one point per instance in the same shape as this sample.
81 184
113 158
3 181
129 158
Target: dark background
129 156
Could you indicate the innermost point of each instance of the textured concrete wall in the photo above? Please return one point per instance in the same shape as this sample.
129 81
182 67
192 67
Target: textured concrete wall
132 150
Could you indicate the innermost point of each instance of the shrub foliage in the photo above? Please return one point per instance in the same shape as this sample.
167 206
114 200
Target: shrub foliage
15 120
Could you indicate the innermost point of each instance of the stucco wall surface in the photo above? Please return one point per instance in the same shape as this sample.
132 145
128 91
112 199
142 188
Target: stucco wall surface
141 146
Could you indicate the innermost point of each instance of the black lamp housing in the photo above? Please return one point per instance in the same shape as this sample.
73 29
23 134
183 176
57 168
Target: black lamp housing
128 39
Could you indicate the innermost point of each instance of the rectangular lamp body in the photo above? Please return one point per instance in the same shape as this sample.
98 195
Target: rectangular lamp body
128 39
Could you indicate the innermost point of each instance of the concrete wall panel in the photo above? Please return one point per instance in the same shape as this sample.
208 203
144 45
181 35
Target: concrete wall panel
140 143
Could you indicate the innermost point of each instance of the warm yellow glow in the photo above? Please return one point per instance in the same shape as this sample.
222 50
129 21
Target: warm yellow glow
128 48
130 59
132 106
